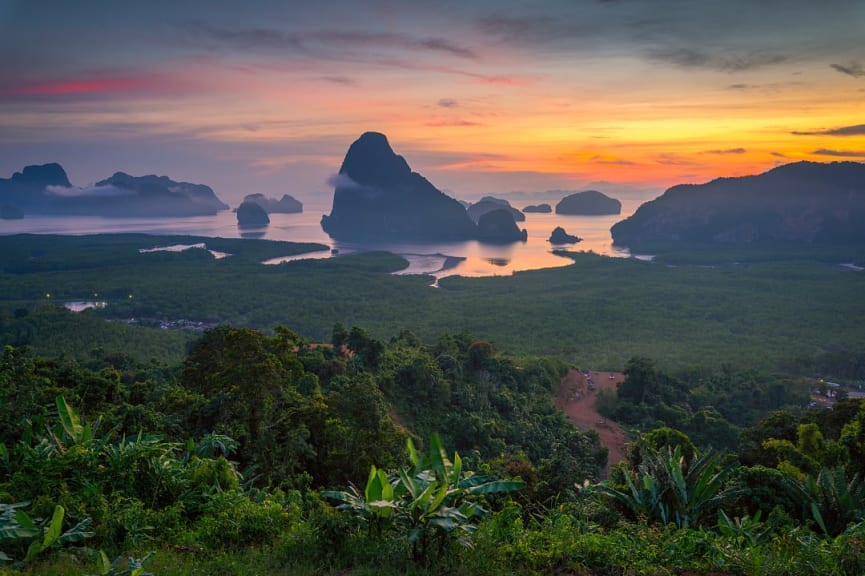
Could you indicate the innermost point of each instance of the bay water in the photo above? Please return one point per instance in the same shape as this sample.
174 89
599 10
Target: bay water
470 258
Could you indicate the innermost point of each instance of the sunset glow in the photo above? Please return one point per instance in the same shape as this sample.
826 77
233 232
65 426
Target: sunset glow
479 97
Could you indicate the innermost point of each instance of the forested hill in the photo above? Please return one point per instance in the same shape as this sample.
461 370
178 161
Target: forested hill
318 412
805 202
270 455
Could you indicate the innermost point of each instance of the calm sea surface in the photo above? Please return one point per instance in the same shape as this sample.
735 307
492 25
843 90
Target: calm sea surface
440 259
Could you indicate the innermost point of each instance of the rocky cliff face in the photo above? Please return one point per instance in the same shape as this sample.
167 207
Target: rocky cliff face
377 197
804 201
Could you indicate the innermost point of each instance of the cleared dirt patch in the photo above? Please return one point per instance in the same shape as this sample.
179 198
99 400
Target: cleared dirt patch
576 397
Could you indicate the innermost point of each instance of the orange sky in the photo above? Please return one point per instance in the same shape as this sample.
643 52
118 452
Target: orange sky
480 97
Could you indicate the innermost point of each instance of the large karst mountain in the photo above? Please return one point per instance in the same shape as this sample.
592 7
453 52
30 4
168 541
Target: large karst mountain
378 198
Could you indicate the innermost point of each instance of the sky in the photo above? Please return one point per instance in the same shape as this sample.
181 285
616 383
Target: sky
481 97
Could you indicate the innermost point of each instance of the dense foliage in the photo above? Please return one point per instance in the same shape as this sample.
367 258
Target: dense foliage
710 406
228 450
761 307
218 463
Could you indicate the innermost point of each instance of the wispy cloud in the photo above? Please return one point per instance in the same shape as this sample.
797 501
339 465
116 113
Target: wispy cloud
243 39
342 181
107 191
779 154
452 123
854 69
725 151
839 153
771 87
341 80
661 31
474 162
494 79
322 42
720 61
857 130
531 29
394 50
448 103
670 159
365 40
442 45
611 162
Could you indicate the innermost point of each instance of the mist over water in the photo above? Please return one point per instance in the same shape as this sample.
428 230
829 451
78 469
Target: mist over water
471 258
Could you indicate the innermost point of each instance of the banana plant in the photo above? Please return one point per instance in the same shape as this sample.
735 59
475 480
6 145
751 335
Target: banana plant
432 499
747 530
134 566
17 528
439 492
375 508
12 531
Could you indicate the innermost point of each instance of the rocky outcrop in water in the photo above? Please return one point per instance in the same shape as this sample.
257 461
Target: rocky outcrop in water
498 227
559 236
488 204
251 215
588 203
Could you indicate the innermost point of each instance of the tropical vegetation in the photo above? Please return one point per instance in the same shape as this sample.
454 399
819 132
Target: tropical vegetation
187 430
272 454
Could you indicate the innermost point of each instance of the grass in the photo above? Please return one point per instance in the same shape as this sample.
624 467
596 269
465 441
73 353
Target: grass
559 544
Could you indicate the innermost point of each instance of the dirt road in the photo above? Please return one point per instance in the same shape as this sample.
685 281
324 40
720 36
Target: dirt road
576 397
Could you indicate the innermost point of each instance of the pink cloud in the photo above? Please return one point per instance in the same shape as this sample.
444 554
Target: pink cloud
90 85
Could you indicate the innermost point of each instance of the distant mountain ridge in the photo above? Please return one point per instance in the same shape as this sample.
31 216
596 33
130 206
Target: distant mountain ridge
802 201
46 190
